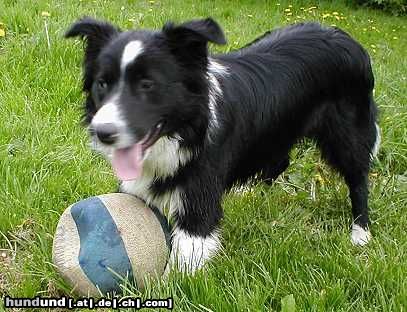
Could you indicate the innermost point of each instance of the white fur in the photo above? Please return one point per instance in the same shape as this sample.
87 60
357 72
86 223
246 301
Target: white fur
360 236
375 149
131 51
110 113
214 69
168 203
189 253
161 160
165 156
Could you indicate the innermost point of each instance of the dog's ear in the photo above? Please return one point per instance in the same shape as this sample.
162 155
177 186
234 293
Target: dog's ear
96 33
204 30
191 38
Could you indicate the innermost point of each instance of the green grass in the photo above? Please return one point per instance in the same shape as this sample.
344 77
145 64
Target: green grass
291 238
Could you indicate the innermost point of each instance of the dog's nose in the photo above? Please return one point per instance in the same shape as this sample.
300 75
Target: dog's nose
107 133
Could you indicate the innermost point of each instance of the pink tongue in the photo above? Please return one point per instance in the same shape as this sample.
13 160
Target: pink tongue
127 162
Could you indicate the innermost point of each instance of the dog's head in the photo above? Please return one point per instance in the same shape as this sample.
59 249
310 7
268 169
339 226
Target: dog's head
143 85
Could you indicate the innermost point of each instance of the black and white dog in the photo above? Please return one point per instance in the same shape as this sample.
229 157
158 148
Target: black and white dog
181 127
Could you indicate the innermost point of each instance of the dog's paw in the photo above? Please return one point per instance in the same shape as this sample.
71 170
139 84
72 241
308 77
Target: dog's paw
189 252
359 235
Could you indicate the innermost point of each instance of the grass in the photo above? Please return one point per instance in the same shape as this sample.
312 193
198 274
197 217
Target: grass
288 239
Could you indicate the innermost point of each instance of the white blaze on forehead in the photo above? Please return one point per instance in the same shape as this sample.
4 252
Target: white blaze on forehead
130 52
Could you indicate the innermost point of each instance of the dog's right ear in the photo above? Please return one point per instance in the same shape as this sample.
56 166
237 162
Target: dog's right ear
95 33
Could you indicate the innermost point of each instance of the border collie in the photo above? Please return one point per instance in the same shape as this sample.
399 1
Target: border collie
181 127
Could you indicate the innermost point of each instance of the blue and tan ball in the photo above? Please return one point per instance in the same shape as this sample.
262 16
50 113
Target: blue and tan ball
103 239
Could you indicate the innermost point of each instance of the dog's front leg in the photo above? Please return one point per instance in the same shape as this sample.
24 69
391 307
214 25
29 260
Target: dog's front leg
190 251
196 236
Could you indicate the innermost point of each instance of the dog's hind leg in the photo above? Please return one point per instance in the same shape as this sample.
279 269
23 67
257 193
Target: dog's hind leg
348 140
272 171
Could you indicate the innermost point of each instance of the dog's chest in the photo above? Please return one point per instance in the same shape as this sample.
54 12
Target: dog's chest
168 202
161 161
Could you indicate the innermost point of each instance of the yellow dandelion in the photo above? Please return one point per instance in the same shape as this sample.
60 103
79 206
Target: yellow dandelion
319 179
45 14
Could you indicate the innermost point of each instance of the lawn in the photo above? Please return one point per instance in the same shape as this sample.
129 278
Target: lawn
288 239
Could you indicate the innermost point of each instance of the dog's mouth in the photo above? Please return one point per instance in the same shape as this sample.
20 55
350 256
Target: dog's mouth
128 162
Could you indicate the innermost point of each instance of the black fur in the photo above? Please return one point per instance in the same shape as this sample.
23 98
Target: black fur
304 80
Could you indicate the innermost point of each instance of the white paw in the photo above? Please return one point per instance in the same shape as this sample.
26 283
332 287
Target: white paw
360 236
189 253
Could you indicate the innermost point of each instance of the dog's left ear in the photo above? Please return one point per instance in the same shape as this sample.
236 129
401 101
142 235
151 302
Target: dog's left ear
204 30
191 38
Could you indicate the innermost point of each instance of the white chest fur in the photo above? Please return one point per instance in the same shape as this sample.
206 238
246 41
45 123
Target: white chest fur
162 160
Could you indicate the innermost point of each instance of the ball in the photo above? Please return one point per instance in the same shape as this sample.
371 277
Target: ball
103 240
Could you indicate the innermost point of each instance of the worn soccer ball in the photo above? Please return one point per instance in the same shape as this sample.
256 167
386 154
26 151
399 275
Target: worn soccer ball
102 241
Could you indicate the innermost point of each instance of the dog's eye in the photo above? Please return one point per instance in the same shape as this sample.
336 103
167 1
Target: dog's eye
146 85
102 84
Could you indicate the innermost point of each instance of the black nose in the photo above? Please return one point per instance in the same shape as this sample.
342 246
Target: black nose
107 133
